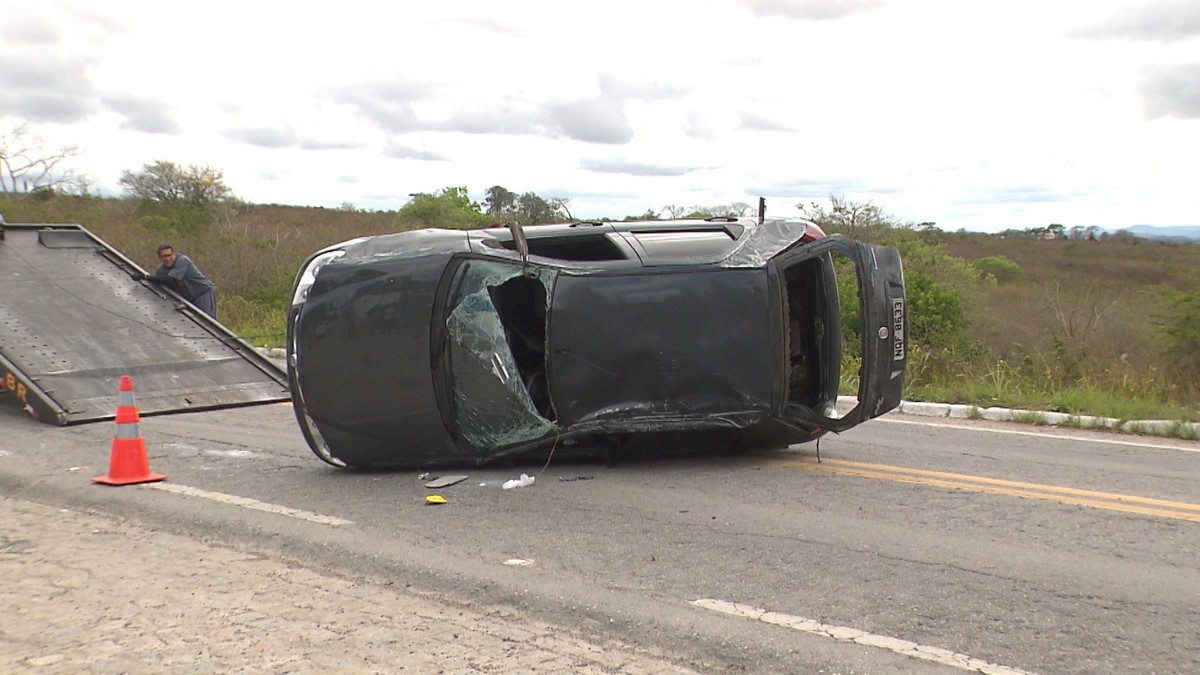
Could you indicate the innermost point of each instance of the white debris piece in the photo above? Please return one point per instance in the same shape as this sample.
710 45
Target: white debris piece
524 481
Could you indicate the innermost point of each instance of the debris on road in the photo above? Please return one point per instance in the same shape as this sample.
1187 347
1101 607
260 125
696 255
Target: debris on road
524 481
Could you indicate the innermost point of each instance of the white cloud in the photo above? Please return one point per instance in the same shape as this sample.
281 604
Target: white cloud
981 115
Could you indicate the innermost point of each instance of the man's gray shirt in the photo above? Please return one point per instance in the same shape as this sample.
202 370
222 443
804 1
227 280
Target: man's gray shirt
200 290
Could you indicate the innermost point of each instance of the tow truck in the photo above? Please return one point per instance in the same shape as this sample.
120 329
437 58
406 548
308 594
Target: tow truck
73 320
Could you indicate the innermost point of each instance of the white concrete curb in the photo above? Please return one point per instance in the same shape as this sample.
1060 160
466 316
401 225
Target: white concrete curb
1168 428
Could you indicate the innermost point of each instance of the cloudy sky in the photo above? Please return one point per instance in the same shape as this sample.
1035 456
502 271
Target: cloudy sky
982 115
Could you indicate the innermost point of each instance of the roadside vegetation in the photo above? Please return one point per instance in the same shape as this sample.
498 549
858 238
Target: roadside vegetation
1084 323
1072 321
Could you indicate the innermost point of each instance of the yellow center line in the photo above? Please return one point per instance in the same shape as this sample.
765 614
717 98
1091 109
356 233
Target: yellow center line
1063 495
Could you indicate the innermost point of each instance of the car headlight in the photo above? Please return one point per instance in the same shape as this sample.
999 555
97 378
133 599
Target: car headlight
309 276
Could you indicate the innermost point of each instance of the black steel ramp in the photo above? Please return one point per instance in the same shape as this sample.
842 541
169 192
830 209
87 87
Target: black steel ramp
73 321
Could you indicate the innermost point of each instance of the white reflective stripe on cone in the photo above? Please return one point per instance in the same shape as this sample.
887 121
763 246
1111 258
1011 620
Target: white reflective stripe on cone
127 431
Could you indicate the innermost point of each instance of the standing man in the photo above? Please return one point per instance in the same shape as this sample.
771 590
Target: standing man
182 276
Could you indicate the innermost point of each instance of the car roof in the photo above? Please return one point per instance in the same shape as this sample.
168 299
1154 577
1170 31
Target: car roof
653 242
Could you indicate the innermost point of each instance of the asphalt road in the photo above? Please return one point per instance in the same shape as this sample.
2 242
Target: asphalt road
911 546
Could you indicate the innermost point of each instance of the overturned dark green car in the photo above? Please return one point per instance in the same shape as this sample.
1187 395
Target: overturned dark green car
447 347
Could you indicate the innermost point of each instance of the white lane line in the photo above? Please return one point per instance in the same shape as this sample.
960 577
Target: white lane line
250 504
964 427
846 634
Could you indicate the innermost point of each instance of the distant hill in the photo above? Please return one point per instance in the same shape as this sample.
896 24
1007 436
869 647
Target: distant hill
1184 232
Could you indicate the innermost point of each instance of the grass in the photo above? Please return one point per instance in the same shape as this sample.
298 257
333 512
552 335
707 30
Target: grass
1188 432
1103 398
260 323
1029 417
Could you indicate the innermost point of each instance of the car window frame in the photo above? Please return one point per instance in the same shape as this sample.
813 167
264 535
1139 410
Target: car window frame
440 361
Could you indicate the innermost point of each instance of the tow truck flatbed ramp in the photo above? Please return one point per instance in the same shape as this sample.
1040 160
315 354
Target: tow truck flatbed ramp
73 321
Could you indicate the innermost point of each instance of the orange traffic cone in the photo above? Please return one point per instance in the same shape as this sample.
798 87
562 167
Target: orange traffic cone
127 464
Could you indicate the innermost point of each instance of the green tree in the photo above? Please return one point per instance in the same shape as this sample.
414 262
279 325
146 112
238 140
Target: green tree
650 214
499 202
533 210
939 286
170 184
855 220
503 205
451 208
999 267
175 200
562 206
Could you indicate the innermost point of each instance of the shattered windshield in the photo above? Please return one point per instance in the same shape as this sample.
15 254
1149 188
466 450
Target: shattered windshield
496 331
